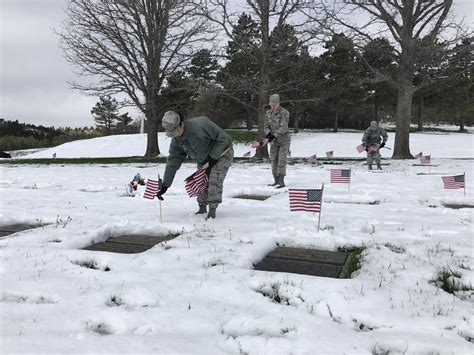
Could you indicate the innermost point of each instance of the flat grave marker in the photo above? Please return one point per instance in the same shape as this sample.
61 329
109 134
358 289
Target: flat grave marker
15 228
130 244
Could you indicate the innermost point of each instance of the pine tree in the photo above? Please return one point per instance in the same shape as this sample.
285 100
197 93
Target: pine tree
105 113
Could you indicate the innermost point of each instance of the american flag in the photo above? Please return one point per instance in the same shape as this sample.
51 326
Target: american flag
312 159
425 159
419 155
152 188
360 148
305 200
330 154
453 182
247 154
257 144
197 183
342 176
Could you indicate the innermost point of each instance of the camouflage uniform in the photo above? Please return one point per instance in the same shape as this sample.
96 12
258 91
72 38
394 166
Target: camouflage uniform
372 136
202 139
277 124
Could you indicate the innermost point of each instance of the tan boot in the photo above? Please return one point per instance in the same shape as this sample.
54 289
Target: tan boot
212 213
275 182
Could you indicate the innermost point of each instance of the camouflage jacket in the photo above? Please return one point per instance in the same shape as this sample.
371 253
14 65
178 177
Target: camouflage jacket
201 139
372 136
277 122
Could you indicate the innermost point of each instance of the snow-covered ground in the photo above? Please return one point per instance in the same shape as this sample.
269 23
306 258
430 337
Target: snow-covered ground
199 294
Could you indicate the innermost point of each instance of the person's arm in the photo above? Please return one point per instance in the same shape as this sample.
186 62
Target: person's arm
283 127
365 137
176 157
266 125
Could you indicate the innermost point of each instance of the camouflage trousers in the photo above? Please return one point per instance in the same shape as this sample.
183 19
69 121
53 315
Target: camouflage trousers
212 196
278 153
371 156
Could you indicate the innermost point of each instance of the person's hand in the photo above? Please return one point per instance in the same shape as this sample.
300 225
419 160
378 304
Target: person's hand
208 163
211 161
162 192
382 145
270 136
366 148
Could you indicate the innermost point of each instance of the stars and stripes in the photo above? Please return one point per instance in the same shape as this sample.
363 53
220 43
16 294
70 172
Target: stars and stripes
342 176
259 144
152 188
330 154
454 182
308 200
419 155
360 148
425 159
197 183
247 154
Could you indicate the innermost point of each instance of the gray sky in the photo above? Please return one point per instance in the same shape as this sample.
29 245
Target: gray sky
34 74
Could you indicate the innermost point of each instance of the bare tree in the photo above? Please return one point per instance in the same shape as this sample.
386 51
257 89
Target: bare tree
131 47
415 28
270 15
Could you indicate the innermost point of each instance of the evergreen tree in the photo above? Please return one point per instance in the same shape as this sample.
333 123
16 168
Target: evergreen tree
105 113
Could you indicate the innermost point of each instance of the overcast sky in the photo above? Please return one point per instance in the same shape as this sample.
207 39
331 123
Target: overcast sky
34 74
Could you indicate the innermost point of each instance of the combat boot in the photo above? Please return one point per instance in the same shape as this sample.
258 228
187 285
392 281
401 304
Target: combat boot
202 209
275 182
212 213
370 166
379 167
281 182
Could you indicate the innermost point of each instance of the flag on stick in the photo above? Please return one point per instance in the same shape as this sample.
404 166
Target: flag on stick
360 148
152 188
247 154
197 183
259 144
419 155
341 176
425 159
454 182
330 154
312 159
305 199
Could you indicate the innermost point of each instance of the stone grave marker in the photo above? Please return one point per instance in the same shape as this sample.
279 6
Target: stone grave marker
304 261
253 197
130 244
14 228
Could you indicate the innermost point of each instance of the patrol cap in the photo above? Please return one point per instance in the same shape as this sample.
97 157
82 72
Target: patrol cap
274 99
170 123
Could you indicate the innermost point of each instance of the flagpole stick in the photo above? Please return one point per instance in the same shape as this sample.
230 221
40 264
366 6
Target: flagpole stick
464 183
350 179
161 214
320 207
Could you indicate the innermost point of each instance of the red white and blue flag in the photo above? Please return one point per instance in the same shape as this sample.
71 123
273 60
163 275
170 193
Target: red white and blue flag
312 159
247 154
419 155
454 182
330 154
308 200
152 188
197 183
360 148
341 176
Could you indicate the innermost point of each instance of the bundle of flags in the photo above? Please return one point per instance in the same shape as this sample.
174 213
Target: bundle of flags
196 183
454 182
308 200
152 188
341 176
360 148
259 144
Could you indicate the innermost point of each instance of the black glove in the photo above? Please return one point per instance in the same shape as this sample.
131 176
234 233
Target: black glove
382 145
211 161
270 136
366 148
162 192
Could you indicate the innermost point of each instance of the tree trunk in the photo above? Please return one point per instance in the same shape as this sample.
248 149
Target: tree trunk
249 121
152 148
421 106
376 109
336 114
460 120
296 121
401 149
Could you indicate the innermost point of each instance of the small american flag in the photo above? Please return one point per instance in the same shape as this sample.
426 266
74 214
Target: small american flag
360 148
419 155
342 176
152 188
197 183
453 182
425 159
259 144
312 159
305 200
247 154
330 154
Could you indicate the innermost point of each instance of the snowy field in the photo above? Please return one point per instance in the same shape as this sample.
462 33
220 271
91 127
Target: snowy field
199 294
